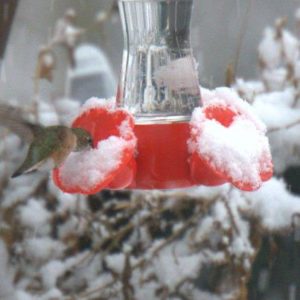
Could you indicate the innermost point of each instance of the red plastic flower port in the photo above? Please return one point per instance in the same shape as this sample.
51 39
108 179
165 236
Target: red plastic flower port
110 164
228 143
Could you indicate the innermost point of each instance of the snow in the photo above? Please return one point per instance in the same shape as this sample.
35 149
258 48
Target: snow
207 193
66 109
91 59
227 97
108 104
42 249
101 16
278 111
275 79
6 285
275 108
171 269
270 49
236 150
50 273
249 89
290 47
273 205
10 142
88 168
34 215
52 294
126 130
47 114
20 189
116 262
67 202
65 32
100 281
48 60
22 295
68 228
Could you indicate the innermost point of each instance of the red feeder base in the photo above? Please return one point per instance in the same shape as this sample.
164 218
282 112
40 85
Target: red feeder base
162 156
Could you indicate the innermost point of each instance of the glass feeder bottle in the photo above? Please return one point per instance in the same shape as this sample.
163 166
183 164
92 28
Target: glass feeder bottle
159 86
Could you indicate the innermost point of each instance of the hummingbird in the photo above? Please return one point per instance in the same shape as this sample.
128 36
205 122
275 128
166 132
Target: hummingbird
49 145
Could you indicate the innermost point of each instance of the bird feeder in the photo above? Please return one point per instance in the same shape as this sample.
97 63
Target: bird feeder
162 132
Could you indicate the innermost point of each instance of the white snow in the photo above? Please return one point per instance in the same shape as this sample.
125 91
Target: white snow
7 291
66 109
237 150
205 192
275 80
21 188
107 104
290 47
66 33
48 59
116 262
278 111
275 108
50 273
171 268
87 168
22 295
41 249
34 215
249 89
273 205
47 114
227 97
270 49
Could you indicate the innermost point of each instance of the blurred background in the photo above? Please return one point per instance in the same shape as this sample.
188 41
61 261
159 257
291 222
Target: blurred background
222 33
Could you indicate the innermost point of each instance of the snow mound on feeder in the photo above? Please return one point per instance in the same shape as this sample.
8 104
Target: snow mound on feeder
89 171
227 97
94 102
227 134
94 164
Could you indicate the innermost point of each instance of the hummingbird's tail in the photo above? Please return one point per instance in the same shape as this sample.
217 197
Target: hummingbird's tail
12 118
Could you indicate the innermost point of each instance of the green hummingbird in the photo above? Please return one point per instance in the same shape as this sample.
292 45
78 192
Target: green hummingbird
49 146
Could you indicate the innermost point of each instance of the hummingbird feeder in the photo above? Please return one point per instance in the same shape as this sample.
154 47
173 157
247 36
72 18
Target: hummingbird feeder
162 132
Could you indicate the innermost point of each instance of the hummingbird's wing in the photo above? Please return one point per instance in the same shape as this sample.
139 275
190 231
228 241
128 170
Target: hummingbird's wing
45 145
12 118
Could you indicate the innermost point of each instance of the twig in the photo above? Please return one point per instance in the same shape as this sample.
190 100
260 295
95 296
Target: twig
232 67
230 214
127 288
288 126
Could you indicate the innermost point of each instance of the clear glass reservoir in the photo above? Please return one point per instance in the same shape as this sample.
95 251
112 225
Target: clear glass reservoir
159 78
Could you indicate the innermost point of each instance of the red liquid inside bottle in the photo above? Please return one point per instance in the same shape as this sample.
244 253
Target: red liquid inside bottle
162 157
